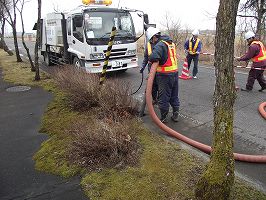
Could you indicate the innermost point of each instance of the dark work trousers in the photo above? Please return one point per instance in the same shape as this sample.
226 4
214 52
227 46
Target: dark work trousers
253 75
154 90
168 90
195 59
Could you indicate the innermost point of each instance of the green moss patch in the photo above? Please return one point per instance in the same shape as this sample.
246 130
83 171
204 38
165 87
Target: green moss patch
52 157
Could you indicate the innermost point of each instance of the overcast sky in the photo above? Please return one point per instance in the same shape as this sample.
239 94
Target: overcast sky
191 13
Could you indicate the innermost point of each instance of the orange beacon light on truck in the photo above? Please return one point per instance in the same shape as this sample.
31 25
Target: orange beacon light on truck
97 2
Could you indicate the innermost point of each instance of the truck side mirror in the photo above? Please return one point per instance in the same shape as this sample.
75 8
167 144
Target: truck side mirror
146 18
78 20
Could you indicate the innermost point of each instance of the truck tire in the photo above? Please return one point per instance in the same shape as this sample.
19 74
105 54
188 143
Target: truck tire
77 63
47 59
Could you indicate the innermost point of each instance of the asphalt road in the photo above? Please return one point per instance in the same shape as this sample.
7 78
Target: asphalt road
20 118
197 115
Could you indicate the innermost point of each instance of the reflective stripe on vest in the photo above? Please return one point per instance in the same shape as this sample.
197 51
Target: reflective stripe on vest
149 49
193 50
262 54
171 64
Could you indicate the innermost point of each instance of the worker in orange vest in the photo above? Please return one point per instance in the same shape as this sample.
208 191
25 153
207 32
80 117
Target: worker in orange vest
257 53
164 53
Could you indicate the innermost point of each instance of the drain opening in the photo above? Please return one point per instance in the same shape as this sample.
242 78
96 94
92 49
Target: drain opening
19 88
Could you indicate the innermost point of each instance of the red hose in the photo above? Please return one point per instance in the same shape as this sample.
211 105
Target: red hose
262 109
203 147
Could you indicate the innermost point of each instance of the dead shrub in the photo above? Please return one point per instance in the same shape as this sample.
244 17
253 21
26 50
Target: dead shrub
84 92
103 145
208 59
81 88
115 101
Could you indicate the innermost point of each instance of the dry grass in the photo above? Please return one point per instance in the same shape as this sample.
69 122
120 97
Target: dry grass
104 141
103 145
115 102
84 93
81 88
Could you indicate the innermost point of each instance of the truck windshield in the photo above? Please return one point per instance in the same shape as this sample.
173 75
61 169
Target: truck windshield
99 24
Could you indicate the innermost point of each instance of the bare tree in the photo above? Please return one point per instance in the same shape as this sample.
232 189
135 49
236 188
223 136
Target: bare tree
187 32
20 10
258 7
10 8
36 60
240 43
218 179
173 28
2 34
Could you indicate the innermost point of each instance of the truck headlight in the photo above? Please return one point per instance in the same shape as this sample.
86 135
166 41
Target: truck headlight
131 52
95 56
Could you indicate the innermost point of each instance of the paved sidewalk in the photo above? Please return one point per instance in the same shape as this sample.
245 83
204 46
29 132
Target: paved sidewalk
20 117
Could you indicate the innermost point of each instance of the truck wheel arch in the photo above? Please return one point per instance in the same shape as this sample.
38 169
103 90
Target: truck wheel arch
78 63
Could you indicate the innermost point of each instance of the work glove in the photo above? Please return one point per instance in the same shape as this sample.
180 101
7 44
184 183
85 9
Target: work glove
141 70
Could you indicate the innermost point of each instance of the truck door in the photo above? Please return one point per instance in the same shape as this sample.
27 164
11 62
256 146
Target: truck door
75 36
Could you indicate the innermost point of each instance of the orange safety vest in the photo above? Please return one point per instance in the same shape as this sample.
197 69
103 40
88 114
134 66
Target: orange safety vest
193 50
262 54
149 49
171 64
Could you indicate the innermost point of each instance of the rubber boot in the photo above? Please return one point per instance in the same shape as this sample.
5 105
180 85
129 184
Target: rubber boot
263 88
163 115
175 115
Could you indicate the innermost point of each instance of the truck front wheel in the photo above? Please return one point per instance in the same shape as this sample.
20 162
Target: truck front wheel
77 63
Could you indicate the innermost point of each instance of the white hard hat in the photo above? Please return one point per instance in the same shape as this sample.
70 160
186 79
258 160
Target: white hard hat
195 32
151 31
249 35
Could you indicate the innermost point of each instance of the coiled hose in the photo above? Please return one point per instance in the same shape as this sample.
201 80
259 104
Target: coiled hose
203 147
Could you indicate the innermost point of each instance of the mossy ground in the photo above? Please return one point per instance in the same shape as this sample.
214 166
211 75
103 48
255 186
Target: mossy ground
165 171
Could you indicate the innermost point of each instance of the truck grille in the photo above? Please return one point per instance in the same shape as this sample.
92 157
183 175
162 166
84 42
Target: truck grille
116 53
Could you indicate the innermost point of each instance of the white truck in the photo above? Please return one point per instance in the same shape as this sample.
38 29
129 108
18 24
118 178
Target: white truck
80 37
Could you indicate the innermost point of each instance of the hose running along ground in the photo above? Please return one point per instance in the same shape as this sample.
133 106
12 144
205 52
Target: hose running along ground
203 147
261 109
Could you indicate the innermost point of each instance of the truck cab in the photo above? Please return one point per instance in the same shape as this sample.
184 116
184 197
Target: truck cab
81 37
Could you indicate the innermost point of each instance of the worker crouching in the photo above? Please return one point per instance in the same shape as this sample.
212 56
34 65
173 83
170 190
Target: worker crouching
164 53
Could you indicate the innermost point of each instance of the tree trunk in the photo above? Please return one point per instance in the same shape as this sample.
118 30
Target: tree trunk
260 22
23 40
2 41
36 60
218 179
14 30
16 44
2 33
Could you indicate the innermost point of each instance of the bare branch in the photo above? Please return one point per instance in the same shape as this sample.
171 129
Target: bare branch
248 16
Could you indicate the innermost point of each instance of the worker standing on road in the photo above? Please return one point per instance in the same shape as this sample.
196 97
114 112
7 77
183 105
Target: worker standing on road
147 53
164 53
257 53
192 49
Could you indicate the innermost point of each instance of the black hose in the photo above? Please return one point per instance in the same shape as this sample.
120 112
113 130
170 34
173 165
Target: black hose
142 77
